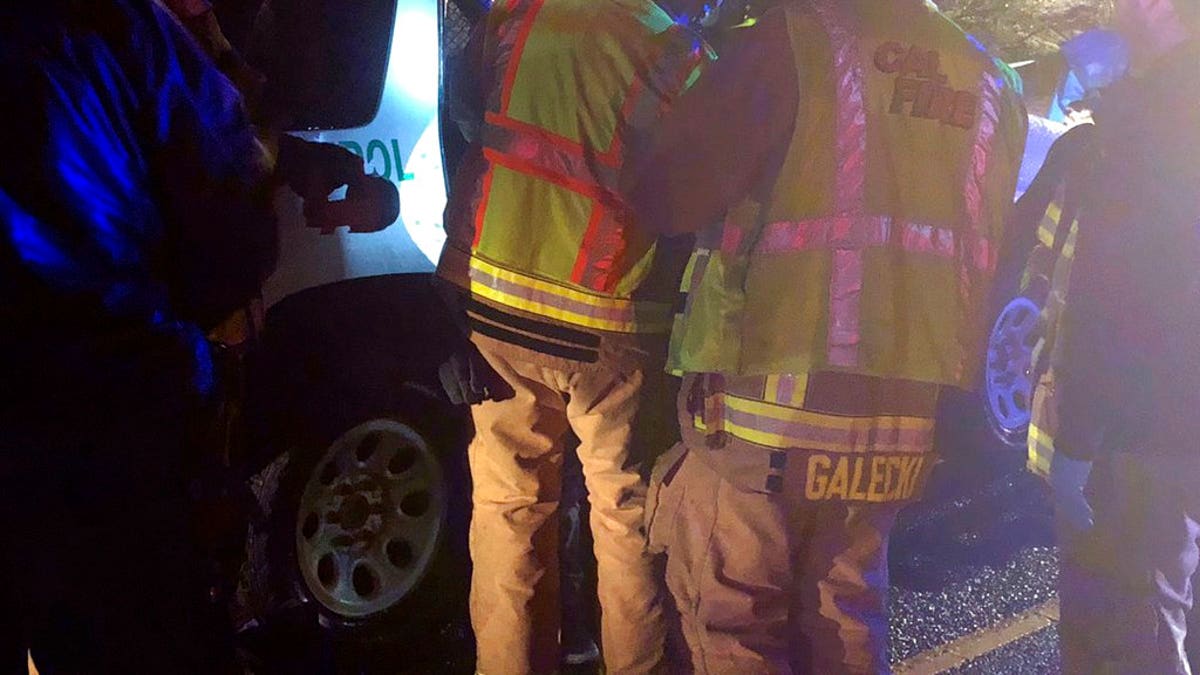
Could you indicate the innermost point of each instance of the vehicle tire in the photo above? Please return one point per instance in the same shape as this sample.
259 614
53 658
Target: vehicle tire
370 525
1008 370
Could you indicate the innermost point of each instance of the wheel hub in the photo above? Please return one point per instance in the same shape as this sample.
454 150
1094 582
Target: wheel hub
354 513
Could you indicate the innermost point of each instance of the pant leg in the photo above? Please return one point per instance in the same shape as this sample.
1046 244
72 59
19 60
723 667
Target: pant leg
1170 555
1127 591
516 464
1088 578
1084 603
728 570
840 597
606 409
580 611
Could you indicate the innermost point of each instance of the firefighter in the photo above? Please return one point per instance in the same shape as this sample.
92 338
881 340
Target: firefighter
567 309
1124 466
1048 214
848 166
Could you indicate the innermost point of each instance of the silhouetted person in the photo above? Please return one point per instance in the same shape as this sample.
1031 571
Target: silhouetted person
1129 369
134 205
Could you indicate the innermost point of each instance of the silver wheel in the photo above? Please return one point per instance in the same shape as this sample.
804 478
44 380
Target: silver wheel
370 519
1009 377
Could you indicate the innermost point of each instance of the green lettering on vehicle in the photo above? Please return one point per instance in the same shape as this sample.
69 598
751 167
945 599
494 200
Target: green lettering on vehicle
377 149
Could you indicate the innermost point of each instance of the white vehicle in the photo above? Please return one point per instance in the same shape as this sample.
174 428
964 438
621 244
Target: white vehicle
368 523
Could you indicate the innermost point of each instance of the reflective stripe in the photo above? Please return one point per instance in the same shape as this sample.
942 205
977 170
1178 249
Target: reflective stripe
550 153
605 242
786 390
851 133
511 37
785 427
688 281
845 307
846 271
509 46
1041 451
585 188
564 304
697 266
977 208
1068 251
1049 225
855 233
989 118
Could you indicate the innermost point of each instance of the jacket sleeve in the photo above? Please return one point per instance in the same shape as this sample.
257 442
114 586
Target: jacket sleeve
211 173
720 137
472 81
466 91
1081 404
1021 231
1082 417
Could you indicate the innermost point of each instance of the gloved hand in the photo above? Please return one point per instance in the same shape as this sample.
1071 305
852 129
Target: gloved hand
371 204
314 170
1068 478
468 378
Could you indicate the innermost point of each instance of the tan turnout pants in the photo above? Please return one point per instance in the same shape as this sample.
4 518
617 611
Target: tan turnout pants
770 583
516 460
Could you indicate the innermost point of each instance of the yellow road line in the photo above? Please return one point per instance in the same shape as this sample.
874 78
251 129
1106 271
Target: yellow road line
970 647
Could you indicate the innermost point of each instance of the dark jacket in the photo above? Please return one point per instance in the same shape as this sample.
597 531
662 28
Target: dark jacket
134 213
1130 363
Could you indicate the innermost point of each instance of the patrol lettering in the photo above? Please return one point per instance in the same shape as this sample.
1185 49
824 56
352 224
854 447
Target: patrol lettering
920 88
863 478
380 158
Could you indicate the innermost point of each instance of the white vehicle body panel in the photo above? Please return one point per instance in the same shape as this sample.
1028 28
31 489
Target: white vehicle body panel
402 143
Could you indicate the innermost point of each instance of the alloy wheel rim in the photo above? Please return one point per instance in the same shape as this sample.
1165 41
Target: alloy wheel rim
370 519
1009 378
